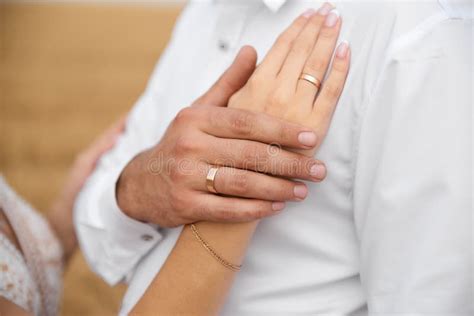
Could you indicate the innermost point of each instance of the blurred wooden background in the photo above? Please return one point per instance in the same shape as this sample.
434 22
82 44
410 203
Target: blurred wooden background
66 72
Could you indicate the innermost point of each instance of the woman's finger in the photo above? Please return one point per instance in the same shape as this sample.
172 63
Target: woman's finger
271 64
317 63
301 49
327 99
215 208
249 184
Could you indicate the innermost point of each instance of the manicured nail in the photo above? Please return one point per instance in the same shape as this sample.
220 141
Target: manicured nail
307 139
342 49
278 206
300 191
332 18
318 171
325 9
309 13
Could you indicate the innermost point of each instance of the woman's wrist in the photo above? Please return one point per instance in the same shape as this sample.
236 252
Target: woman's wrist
229 240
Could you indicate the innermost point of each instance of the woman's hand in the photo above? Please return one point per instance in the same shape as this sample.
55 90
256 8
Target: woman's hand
305 47
60 215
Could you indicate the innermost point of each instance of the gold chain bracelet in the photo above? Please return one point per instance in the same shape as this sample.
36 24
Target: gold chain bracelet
221 260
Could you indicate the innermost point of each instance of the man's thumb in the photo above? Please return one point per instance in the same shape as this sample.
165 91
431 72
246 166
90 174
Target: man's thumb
234 78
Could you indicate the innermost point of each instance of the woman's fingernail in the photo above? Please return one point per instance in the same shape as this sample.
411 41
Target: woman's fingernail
309 13
332 18
318 171
325 9
300 191
307 139
278 206
342 49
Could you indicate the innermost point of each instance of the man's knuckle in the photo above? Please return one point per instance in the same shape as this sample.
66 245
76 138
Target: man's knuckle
284 131
250 153
185 115
175 173
240 184
242 123
296 166
225 214
186 144
268 192
275 192
258 212
215 118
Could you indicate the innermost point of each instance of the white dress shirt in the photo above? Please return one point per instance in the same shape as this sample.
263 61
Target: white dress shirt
389 230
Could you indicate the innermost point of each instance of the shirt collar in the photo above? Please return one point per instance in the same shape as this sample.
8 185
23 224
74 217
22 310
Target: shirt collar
461 9
274 5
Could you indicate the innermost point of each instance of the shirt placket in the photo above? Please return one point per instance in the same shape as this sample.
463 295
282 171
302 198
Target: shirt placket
226 38
230 25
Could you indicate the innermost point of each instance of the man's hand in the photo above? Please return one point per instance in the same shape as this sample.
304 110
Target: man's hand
166 184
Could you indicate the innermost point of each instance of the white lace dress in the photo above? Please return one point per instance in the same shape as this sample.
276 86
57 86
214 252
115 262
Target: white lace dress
31 280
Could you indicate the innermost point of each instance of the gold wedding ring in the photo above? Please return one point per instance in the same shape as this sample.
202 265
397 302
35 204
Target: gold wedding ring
211 175
311 79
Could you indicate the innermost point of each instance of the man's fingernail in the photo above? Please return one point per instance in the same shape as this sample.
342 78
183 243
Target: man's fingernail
278 206
318 171
307 139
342 49
309 13
300 191
332 18
325 9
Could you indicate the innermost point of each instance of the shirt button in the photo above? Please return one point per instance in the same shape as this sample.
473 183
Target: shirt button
223 45
147 237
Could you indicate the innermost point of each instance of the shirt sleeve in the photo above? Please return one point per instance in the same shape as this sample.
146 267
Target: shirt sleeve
112 242
413 176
